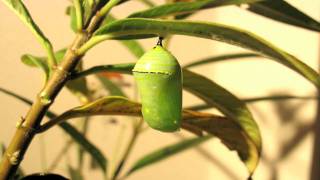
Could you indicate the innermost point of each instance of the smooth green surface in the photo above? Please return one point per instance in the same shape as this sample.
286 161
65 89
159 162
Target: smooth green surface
161 98
157 60
159 80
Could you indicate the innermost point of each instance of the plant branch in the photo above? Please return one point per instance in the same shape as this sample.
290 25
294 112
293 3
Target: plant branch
106 8
77 6
26 126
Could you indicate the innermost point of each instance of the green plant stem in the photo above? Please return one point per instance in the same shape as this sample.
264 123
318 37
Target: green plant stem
77 6
136 132
106 8
27 125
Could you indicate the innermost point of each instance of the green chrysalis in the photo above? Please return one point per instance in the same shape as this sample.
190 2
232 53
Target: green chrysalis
159 80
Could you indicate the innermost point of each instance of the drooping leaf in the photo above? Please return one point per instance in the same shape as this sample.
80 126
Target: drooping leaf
230 106
186 7
60 54
19 9
73 18
42 62
284 12
134 28
166 152
243 142
78 87
221 58
70 130
33 61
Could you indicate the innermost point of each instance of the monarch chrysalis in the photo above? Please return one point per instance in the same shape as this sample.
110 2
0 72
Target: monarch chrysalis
159 80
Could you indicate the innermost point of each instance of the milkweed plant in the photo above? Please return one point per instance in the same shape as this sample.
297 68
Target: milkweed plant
159 77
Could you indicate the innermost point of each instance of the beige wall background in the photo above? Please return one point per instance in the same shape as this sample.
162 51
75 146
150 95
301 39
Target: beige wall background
283 124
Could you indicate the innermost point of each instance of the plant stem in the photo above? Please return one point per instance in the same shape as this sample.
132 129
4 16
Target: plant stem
27 126
132 141
106 8
78 8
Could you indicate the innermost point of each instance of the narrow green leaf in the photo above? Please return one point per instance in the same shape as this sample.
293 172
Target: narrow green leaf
73 18
186 7
78 87
33 61
60 54
113 89
141 28
70 130
282 11
221 58
166 152
256 100
95 153
19 9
